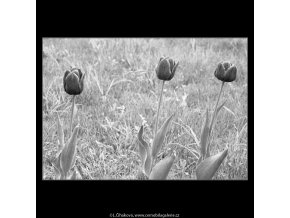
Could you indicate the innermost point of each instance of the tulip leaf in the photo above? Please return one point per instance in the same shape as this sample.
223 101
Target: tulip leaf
159 138
60 134
140 175
162 168
204 135
145 153
62 177
208 167
142 147
74 159
215 115
74 175
56 165
68 153
207 151
211 126
148 162
199 160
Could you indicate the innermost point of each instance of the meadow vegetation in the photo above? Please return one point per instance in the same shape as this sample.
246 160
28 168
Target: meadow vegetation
121 93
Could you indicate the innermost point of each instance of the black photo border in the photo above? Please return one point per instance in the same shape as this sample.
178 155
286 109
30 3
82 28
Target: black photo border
188 198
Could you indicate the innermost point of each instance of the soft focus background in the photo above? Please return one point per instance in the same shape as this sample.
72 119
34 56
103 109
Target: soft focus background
121 93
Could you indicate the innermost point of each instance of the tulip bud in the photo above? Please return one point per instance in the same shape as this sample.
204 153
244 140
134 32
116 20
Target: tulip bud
226 65
73 81
232 73
166 69
226 72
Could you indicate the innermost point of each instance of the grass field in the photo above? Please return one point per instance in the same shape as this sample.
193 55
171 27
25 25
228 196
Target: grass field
121 93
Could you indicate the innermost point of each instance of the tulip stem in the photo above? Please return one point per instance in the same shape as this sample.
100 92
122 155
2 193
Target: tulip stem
159 104
212 120
214 113
72 113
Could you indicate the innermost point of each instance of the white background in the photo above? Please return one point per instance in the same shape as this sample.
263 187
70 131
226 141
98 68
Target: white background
271 109
18 109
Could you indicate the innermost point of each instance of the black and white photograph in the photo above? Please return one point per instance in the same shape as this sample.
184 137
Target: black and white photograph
144 111
145 108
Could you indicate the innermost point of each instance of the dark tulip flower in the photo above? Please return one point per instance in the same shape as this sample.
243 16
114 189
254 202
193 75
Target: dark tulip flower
73 81
226 72
166 69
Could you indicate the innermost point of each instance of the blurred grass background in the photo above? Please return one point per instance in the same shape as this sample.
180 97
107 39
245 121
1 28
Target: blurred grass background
121 93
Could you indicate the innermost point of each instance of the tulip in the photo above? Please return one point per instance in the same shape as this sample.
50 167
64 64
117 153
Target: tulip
166 69
73 82
226 72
